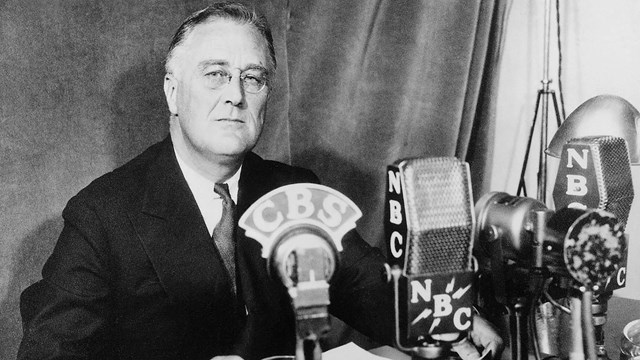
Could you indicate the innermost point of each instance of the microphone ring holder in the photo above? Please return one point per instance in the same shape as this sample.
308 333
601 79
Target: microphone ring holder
308 243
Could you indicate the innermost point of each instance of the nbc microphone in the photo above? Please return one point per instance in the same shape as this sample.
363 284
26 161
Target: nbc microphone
300 228
429 223
595 172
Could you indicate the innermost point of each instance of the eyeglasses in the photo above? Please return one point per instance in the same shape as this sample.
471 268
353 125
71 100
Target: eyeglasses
253 81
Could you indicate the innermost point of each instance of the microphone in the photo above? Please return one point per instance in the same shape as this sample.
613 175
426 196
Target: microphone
595 172
300 228
593 248
521 242
429 225
510 244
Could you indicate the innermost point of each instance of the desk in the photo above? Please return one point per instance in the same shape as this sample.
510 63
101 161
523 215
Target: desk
621 311
390 353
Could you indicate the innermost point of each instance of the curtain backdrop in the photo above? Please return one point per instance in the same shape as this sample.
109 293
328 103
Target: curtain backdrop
360 84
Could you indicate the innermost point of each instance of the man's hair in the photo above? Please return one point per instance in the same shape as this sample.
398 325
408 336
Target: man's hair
224 10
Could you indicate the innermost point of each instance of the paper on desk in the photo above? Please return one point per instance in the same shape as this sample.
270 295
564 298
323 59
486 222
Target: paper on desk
350 351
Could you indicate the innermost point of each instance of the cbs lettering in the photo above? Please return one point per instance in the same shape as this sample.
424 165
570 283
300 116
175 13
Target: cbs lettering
300 204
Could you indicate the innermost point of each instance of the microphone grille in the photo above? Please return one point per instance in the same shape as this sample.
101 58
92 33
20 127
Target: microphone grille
616 171
613 173
440 218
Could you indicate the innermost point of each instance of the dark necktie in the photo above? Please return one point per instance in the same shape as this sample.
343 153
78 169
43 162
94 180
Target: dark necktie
224 233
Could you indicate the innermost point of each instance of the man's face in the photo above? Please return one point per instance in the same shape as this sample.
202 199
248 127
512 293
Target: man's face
223 122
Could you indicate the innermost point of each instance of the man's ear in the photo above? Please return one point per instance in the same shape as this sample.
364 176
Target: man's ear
171 92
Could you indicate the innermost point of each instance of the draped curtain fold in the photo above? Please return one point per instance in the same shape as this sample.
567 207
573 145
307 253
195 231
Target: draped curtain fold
366 83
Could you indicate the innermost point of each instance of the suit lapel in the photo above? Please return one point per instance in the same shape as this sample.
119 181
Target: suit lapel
189 266
175 236
253 268
252 184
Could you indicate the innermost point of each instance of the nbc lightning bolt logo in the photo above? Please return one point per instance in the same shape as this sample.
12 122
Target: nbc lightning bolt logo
442 303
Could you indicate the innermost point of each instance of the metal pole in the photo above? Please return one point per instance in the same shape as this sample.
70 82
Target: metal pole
542 175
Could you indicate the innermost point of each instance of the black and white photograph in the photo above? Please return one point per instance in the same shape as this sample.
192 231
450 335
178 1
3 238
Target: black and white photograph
320 179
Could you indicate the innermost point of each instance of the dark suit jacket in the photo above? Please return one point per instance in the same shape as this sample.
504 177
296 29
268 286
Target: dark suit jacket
135 274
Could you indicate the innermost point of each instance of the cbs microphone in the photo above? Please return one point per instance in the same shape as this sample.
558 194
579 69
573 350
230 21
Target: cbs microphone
300 228
429 225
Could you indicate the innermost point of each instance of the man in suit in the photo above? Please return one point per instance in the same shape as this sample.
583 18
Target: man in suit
138 271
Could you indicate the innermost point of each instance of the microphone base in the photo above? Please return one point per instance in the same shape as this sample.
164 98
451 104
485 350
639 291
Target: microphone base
433 352
427 352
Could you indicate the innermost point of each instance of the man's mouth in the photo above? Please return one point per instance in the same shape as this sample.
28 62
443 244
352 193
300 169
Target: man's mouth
234 120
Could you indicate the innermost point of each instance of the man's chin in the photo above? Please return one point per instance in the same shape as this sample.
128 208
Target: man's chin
234 151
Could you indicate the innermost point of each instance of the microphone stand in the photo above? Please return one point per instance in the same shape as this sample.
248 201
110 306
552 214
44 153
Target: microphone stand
305 262
538 272
582 328
543 97
308 349
518 326
522 308
310 301
599 314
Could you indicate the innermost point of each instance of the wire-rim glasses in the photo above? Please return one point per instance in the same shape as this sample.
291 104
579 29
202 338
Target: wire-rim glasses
253 81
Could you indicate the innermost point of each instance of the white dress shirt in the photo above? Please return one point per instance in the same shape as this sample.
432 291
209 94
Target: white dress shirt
209 203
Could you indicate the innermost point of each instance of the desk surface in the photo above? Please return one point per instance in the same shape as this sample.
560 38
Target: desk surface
621 311
390 353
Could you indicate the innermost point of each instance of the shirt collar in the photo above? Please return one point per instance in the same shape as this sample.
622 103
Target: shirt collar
201 186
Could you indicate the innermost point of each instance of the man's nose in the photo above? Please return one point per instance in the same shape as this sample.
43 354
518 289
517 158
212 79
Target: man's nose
233 91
